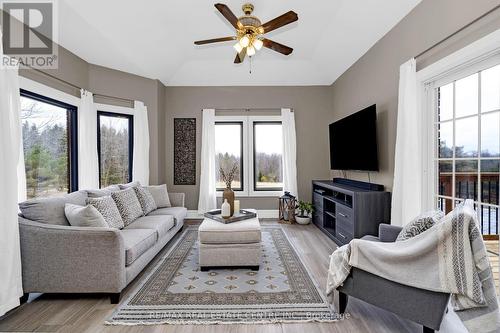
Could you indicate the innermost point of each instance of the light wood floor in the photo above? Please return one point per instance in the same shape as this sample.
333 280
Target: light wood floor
84 313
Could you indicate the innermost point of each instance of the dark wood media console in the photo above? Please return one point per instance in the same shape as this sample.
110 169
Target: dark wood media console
346 211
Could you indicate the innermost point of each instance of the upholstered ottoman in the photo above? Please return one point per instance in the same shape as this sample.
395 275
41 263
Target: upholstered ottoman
236 244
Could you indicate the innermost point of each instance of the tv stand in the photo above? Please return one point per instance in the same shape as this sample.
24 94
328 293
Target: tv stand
346 209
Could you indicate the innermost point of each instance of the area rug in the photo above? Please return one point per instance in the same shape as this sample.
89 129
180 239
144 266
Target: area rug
177 292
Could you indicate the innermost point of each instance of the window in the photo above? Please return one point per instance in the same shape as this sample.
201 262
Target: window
115 147
268 156
254 145
50 146
229 153
468 154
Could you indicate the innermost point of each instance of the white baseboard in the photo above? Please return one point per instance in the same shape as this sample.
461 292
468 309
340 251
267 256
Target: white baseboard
263 214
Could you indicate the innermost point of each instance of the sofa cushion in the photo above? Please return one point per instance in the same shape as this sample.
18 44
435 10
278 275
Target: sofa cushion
84 216
51 210
147 201
107 207
179 213
420 224
103 192
241 232
128 205
160 194
161 224
137 241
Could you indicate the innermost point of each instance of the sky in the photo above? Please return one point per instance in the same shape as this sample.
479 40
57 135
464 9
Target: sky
268 139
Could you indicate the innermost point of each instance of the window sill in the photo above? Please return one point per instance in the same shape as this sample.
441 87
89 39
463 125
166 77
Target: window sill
244 194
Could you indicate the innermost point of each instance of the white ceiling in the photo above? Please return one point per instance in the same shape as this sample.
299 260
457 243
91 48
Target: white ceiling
155 38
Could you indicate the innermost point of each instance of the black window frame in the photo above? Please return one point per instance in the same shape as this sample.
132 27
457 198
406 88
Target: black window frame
255 188
72 133
130 119
241 124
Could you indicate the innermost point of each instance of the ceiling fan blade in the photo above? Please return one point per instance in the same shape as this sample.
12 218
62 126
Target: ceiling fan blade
240 56
278 22
283 49
228 14
215 40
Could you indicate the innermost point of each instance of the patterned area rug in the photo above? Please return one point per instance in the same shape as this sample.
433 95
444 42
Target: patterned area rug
177 292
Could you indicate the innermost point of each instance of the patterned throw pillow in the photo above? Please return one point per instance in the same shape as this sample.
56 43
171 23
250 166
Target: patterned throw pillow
107 207
420 224
146 199
128 205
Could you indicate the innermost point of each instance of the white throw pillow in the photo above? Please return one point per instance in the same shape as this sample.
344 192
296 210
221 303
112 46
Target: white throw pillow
84 216
160 195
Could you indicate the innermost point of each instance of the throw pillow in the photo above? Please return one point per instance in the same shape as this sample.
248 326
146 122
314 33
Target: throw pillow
129 185
128 205
84 216
146 199
420 224
107 207
103 192
160 195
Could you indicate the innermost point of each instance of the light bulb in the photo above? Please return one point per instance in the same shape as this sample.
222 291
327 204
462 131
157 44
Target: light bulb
244 41
238 47
250 51
257 43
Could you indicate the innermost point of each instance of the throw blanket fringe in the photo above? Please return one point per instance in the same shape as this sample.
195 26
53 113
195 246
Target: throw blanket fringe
450 257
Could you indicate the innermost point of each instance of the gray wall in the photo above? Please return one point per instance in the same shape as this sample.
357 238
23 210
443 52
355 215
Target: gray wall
374 77
312 109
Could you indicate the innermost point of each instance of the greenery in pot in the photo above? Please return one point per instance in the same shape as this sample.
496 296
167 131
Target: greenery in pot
305 208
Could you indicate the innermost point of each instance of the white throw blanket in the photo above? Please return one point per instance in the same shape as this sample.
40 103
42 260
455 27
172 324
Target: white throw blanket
450 257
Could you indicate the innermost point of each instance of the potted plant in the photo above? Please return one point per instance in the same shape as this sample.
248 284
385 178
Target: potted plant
305 210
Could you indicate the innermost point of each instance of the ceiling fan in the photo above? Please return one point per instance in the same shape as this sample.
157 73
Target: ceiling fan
249 31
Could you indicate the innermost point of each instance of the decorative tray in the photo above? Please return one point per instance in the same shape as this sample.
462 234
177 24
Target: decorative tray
237 216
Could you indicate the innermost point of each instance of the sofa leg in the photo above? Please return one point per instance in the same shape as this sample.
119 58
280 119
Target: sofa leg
427 330
204 269
115 298
343 298
23 299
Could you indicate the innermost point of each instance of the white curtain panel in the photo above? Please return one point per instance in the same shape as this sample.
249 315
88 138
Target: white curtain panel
88 161
140 162
10 151
208 199
407 187
289 152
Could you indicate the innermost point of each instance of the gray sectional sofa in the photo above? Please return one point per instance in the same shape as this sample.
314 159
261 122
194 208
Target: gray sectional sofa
59 258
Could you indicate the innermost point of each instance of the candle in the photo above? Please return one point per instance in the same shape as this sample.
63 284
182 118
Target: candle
236 206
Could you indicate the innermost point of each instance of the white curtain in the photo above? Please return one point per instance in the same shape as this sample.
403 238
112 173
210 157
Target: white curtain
407 187
140 162
88 162
207 199
10 156
289 152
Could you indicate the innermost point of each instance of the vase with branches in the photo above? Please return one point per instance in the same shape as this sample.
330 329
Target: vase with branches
228 177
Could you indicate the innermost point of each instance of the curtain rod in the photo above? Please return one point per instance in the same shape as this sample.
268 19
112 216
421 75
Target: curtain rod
248 109
77 87
458 31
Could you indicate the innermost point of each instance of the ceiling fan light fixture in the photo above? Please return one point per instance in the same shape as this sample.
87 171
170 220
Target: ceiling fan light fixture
257 44
238 47
244 41
250 51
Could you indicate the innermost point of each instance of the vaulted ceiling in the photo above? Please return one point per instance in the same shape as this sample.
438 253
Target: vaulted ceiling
155 38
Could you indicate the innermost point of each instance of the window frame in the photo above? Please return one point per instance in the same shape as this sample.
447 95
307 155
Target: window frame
248 154
130 119
242 165
254 191
72 131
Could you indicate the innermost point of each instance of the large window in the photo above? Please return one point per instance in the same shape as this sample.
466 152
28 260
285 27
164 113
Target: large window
50 146
268 156
254 145
468 154
115 146
229 153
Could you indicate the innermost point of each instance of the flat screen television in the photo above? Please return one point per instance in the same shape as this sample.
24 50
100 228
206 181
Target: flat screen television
353 141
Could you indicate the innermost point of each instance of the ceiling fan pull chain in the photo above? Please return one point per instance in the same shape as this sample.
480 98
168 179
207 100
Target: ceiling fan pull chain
250 61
